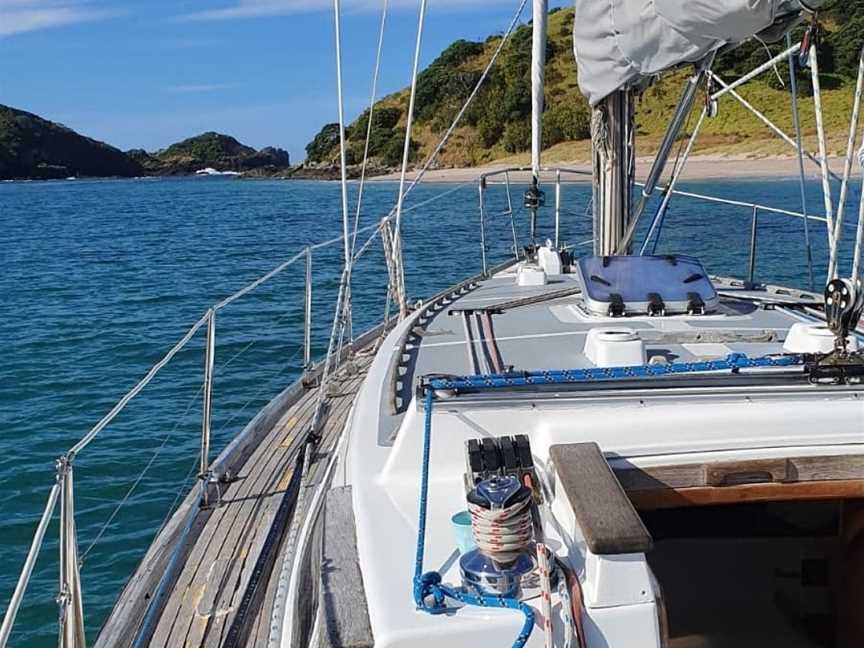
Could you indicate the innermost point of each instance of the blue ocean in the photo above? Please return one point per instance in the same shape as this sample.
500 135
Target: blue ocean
99 278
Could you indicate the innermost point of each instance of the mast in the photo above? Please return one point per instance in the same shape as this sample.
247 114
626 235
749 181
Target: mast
613 167
534 197
538 74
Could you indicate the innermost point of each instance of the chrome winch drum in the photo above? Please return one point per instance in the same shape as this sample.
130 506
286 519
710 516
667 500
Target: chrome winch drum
482 575
501 522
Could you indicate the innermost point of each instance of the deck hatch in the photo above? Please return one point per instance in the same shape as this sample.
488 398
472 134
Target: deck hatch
639 285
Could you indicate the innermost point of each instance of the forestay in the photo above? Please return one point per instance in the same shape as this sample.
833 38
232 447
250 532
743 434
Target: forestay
622 42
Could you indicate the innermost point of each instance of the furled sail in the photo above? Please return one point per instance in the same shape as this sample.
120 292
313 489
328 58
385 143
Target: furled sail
621 42
538 66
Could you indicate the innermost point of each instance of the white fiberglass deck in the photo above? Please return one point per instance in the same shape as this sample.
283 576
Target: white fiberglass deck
728 418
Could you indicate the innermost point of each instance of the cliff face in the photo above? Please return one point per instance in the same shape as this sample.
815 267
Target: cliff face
32 147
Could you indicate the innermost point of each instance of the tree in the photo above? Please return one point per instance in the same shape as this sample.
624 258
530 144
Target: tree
565 121
320 149
395 148
517 136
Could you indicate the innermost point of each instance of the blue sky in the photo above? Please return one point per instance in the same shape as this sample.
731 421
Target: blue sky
141 74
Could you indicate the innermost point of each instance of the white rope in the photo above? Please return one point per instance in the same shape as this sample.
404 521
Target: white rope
85 441
418 178
847 168
545 594
29 563
776 129
325 374
823 157
303 537
796 121
337 17
406 152
791 50
434 155
252 286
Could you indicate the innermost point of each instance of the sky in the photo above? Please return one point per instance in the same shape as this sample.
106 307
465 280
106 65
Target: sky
145 74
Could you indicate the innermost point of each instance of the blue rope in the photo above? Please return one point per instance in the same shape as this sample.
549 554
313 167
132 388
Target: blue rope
429 592
733 362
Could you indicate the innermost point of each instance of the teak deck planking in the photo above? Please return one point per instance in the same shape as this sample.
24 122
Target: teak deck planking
200 607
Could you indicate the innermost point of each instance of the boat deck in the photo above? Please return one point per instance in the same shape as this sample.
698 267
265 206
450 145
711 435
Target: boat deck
226 582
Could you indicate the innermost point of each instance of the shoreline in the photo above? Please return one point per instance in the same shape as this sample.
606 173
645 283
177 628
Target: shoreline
699 167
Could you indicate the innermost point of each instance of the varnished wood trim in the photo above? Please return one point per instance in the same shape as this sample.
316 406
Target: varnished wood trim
751 471
664 498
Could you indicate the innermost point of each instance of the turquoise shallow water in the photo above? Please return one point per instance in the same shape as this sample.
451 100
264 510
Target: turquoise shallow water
100 278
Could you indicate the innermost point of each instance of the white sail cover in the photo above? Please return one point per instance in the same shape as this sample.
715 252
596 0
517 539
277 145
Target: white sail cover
618 42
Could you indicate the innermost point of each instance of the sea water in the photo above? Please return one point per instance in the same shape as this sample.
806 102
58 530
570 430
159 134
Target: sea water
99 278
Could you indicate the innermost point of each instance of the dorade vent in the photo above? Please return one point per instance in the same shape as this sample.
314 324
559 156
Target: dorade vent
531 275
804 337
614 347
618 286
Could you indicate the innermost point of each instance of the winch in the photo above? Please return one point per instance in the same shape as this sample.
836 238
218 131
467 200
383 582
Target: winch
500 500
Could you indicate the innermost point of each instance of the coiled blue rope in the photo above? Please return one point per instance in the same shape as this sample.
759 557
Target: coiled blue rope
429 592
732 362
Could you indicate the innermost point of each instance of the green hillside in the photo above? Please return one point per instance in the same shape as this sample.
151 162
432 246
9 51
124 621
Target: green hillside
497 124
216 150
33 147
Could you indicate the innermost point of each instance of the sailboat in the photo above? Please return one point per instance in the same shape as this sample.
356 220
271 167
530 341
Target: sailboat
616 450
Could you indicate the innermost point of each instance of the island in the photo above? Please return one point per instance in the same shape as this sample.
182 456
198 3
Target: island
34 148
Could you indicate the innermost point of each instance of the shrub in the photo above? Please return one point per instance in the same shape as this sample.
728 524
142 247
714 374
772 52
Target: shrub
392 153
382 119
566 121
517 137
320 149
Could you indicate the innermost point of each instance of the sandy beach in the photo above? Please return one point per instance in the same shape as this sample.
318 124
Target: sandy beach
706 167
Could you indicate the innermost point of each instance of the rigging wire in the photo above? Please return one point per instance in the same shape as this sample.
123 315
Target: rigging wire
337 13
140 477
796 121
181 490
85 441
347 315
847 168
281 370
859 231
406 152
418 178
823 156
375 75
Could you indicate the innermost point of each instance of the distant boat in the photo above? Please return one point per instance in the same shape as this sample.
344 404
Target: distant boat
210 171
